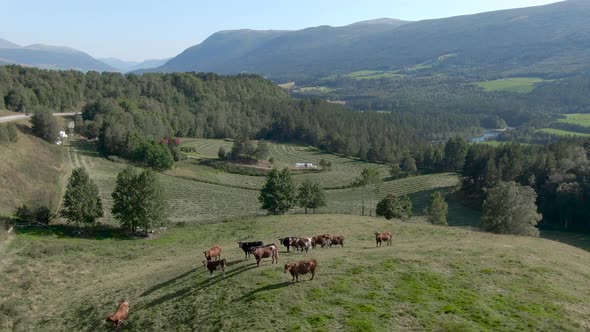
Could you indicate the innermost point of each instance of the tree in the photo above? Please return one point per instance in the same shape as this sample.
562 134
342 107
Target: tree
278 193
438 209
394 170
410 165
369 181
40 214
311 195
138 200
221 153
455 152
262 150
242 150
44 125
510 208
393 206
82 204
157 156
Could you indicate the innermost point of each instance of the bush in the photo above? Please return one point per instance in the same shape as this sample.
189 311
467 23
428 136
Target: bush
8 133
45 125
38 215
393 206
438 209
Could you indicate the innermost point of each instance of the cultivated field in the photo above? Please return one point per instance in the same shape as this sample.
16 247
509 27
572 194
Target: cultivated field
576 119
515 84
343 172
432 278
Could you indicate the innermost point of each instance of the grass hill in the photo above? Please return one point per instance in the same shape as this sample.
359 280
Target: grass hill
31 170
432 278
50 57
544 40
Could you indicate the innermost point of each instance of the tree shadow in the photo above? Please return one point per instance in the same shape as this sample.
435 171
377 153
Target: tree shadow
86 148
102 232
263 289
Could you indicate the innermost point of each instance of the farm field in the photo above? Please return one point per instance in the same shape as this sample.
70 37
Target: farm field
560 132
576 119
342 173
432 278
189 201
515 84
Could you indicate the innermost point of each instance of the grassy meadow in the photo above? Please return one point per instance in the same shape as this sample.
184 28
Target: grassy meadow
576 119
432 278
31 171
560 132
514 84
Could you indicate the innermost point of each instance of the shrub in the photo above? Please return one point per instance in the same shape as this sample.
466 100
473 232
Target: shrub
393 206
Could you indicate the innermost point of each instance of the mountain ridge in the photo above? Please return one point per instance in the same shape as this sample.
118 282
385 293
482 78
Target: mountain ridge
50 57
542 40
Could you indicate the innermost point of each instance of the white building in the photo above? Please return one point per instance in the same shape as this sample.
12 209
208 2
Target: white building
305 165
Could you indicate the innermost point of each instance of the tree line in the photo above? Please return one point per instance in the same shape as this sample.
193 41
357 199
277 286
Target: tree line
131 115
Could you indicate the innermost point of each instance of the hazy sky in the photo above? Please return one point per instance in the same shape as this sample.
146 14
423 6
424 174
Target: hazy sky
144 29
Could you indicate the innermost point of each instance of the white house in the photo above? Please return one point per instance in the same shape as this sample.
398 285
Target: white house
63 134
305 165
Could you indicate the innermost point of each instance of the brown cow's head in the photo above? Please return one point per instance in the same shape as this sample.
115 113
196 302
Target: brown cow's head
288 267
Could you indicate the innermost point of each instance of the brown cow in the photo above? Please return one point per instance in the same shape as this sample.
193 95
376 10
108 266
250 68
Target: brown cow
302 243
214 252
337 240
212 266
301 267
121 314
266 252
322 240
380 237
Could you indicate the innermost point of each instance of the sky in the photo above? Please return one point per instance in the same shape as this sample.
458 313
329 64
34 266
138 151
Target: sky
155 29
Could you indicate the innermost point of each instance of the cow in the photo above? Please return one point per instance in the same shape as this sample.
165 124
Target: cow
286 241
214 252
246 246
301 267
337 240
380 237
322 240
302 243
120 315
266 252
213 265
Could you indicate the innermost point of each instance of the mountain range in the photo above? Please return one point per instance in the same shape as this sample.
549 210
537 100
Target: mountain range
66 58
49 57
545 40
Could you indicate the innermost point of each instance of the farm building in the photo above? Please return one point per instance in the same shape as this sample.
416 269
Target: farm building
305 165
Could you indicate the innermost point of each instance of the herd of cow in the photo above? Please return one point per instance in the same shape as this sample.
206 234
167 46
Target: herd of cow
259 250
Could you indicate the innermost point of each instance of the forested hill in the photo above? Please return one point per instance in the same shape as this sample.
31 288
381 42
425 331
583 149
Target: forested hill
120 109
545 40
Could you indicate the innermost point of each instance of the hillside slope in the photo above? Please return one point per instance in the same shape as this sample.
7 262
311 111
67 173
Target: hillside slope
432 278
545 40
31 171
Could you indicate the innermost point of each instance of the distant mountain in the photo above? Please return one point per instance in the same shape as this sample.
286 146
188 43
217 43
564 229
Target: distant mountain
127 66
49 57
122 65
544 40
6 44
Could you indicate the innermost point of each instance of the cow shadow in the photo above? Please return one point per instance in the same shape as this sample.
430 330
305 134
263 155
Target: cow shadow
192 289
167 282
250 294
